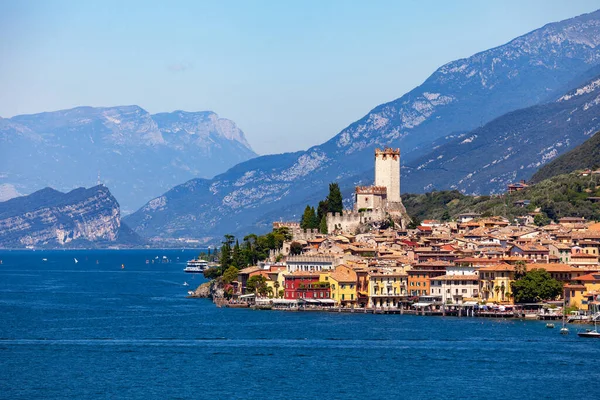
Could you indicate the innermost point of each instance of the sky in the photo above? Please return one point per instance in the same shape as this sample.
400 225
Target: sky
291 74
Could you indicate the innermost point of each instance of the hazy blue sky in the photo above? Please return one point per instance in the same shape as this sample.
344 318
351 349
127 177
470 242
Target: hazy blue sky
291 74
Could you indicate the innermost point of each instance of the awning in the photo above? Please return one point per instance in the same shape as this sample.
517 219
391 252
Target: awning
327 301
469 303
310 301
247 296
422 304
284 301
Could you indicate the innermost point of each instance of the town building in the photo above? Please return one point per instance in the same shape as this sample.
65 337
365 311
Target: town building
455 289
311 263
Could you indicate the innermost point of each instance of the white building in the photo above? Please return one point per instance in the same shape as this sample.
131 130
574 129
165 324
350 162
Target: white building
310 263
454 289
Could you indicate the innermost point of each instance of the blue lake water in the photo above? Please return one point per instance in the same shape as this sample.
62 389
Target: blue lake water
94 330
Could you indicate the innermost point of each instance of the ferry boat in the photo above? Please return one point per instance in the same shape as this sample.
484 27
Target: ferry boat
196 266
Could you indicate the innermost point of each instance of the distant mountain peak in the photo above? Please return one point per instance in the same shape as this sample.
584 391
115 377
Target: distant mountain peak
138 155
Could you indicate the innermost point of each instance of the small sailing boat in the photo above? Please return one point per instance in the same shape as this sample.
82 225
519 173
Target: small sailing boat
564 330
76 261
122 266
186 284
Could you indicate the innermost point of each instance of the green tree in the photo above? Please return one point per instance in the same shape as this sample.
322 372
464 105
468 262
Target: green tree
535 286
322 209
541 219
334 200
225 259
520 269
212 273
237 258
230 274
295 248
309 219
446 216
257 284
323 225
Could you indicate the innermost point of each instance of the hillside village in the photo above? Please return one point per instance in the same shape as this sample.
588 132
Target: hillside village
471 262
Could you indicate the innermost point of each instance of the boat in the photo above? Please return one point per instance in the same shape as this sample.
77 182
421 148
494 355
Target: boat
564 330
186 284
196 266
550 325
591 333
76 261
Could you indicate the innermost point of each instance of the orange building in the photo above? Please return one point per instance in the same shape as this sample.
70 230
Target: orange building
420 274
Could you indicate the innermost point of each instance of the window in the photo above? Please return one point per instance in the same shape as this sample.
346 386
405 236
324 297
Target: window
351 297
343 297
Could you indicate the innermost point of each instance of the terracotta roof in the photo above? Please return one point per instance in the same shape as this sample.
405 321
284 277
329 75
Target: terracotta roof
343 274
499 267
583 255
593 277
552 267
249 270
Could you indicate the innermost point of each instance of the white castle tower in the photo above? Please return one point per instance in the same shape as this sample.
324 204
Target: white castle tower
387 172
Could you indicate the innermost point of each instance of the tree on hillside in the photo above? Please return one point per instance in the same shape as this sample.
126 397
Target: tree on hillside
335 202
230 274
535 286
541 219
237 257
225 259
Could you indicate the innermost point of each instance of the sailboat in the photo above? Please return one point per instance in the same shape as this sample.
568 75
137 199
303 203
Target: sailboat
564 330
76 261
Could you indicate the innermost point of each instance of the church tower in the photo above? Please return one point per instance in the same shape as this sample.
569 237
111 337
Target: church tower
387 172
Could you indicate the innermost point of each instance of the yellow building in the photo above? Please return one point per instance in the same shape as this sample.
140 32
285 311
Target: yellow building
387 287
343 287
494 283
583 290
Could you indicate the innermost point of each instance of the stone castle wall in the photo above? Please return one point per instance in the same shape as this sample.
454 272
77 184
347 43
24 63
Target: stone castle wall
350 221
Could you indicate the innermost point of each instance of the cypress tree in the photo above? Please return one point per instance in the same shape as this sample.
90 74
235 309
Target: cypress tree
322 209
313 217
323 225
334 199
306 220
236 257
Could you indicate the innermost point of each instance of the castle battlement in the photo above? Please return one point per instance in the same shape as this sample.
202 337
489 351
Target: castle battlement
387 152
371 190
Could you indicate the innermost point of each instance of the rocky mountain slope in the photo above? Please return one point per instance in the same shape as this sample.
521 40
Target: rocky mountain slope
49 218
137 155
584 156
458 97
565 195
511 147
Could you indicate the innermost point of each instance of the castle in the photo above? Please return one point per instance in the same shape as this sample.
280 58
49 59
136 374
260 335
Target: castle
378 203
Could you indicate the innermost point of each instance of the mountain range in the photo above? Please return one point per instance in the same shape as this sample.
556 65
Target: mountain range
136 154
511 147
457 98
585 156
79 218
